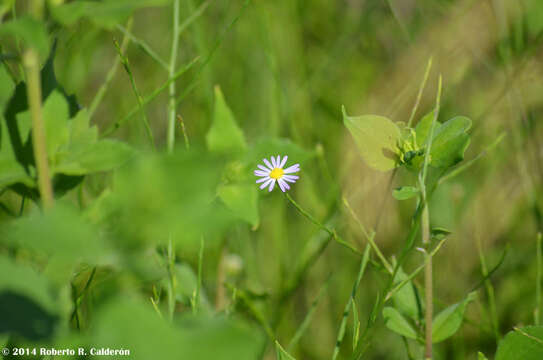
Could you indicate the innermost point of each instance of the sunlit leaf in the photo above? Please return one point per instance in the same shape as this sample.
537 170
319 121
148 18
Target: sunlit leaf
405 299
397 323
405 192
224 136
376 138
242 200
32 32
450 142
523 344
448 321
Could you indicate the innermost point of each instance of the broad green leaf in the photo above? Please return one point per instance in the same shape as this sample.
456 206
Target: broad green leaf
376 138
450 142
151 337
55 118
11 171
423 128
107 13
448 321
27 306
523 344
32 32
187 281
281 353
103 155
224 136
481 356
242 200
60 233
81 133
405 299
405 192
397 323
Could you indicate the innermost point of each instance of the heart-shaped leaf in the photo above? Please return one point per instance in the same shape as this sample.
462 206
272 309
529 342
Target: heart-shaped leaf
376 138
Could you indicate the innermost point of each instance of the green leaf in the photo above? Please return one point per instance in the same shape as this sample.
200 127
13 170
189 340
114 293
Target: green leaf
376 138
11 171
450 142
405 299
55 117
193 338
405 192
103 155
32 32
524 344
242 200
481 356
60 233
107 13
281 353
397 323
448 321
423 128
27 307
224 136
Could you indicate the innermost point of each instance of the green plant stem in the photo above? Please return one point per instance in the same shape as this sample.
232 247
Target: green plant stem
150 97
172 284
428 276
195 15
141 105
143 46
490 292
173 60
332 232
184 131
33 90
341 332
370 237
111 73
419 95
196 300
538 282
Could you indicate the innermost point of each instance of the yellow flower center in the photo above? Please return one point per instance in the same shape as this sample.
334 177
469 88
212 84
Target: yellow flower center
277 173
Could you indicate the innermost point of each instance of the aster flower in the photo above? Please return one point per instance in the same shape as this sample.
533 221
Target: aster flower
274 171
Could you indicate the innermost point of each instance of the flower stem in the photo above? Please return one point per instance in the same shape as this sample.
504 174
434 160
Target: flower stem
331 232
33 91
173 60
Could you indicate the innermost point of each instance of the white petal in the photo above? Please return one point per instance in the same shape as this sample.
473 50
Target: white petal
283 162
290 178
266 183
261 173
278 161
292 169
263 168
273 161
267 163
283 185
263 179
272 184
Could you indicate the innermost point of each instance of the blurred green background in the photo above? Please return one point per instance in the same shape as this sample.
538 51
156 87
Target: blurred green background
285 67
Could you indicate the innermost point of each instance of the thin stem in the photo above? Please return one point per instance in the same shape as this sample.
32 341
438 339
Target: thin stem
489 290
369 237
332 232
173 60
141 105
143 46
150 97
111 73
196 300
538 282
428 276
419 95
172 285
195 15
33 90
184 131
